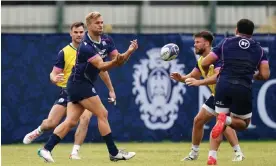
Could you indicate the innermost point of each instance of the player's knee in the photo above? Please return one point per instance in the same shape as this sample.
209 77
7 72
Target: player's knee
103 114
71 123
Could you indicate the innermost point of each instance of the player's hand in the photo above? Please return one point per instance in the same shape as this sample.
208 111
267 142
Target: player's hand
59 77
133 46
192 82
112 97
176 76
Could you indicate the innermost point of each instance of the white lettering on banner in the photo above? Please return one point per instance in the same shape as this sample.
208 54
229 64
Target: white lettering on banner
156 94
262 105
251 126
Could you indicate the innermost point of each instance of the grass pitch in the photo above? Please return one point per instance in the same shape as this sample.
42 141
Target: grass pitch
148 154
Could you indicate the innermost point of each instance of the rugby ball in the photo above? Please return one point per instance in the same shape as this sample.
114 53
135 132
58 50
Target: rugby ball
169 52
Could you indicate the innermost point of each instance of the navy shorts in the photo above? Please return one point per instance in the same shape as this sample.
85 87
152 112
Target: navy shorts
62 98
209 105
78 91
234 98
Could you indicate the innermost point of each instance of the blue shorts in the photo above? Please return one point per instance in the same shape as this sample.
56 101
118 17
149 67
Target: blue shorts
234 98
209 105
62 98
78 91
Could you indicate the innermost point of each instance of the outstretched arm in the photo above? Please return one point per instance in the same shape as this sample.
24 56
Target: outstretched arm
195 73
206 81
125 56
98 62
106 79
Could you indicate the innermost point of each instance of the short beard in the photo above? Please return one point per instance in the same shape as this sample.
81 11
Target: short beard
200 51
98 33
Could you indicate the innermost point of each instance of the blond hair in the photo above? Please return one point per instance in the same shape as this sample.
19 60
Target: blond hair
91 16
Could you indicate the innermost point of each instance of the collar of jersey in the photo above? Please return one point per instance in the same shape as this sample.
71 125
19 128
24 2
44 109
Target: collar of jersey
71 44
244 36
93 40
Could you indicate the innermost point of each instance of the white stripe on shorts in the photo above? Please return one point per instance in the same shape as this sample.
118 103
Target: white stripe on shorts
246 116
210 110
222 110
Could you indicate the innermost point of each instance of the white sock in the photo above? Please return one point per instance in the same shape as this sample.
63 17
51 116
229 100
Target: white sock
39 130
237 148
213 153
195 148
228 120
76 149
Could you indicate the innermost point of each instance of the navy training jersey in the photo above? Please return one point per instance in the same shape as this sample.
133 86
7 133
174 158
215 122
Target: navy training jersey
240 58
87 50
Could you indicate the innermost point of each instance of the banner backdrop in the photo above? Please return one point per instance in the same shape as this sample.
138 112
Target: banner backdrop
150 106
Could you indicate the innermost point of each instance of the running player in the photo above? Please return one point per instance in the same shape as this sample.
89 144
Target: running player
59 76
241 56
91 59
202 43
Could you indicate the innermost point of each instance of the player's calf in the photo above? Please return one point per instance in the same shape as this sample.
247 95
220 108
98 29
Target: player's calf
80 134
203 116
48 124
219 126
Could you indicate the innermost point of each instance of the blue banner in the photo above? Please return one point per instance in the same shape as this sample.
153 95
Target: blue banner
150 106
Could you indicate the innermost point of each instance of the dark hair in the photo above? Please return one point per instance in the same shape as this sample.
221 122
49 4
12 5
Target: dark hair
77 24
205 35
245 26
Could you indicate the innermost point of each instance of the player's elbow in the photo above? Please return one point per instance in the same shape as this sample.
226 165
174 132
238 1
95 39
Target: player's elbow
264 71
102 68
52 78
266 75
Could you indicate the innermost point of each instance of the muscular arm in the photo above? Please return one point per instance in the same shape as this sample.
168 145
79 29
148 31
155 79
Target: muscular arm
106 79
206 81
182 78
210 80
263 73
125 56
193 74
98 62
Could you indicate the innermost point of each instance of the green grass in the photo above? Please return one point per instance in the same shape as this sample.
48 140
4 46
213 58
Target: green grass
148 154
